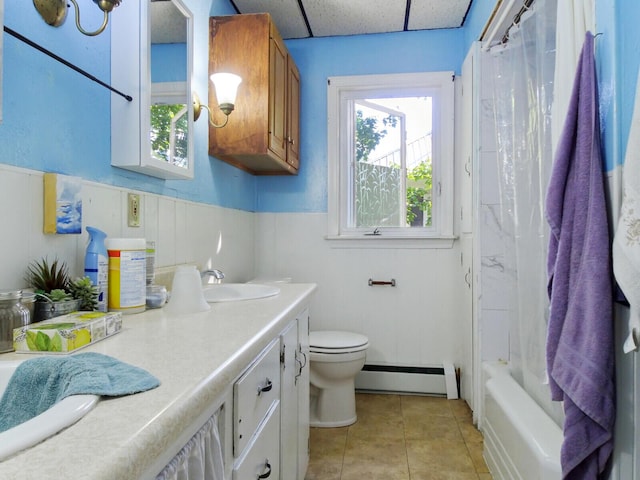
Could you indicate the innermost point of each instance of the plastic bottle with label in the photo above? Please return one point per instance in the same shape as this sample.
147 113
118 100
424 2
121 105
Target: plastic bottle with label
127 274
96 265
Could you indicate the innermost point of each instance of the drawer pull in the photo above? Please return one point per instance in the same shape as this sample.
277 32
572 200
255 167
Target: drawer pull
266 387
267 466
301 365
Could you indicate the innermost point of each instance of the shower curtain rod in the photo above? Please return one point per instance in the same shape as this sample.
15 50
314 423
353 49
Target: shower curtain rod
516 19
40 48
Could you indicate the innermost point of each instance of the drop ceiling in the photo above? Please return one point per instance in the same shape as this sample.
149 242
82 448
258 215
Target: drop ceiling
324 18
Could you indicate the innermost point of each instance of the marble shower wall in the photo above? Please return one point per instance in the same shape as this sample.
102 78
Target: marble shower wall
495 278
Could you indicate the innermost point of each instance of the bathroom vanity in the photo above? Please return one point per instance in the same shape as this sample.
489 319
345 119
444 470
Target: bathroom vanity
244 361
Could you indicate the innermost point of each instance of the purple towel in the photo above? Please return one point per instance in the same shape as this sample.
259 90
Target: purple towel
580 354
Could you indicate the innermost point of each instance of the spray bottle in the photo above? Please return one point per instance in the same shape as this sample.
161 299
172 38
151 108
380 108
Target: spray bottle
96 265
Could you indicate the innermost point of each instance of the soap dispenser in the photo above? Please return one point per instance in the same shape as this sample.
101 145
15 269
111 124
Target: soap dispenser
96 265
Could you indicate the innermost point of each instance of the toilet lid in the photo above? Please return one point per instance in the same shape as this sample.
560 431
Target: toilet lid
336 341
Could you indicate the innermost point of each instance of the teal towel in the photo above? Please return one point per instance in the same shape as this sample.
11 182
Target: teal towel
39 383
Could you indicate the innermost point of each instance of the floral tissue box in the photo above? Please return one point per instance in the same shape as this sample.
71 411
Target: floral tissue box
66 333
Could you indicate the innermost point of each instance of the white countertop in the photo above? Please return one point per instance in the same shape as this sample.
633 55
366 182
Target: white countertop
196 358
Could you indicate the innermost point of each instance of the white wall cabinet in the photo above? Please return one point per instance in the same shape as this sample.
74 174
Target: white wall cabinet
266 433
132 45
254 394
294 398
302 386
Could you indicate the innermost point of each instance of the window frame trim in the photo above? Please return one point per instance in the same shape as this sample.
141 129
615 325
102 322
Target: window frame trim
343 87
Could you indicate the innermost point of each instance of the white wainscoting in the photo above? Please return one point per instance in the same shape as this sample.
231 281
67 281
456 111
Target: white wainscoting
417 323
185 232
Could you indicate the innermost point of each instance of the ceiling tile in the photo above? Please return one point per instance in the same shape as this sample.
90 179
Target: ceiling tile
168 24
430 14
353 17
286 15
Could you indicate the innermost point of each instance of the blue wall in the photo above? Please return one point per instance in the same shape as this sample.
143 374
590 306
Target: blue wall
320 58
56 120
627 46
168 62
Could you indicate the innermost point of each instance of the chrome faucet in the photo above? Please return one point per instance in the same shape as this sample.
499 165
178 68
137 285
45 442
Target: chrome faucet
216 274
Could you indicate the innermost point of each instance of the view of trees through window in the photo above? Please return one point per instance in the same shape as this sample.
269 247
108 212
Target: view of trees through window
392 175
169 127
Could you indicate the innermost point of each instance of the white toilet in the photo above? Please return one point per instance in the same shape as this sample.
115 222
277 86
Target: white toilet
336 358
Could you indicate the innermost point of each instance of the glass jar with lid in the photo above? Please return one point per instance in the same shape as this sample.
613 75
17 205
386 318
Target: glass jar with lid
13 314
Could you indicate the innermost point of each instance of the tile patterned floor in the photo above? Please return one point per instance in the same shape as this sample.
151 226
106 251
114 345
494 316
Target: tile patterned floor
400 437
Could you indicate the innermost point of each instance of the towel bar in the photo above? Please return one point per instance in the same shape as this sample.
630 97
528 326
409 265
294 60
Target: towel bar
381 282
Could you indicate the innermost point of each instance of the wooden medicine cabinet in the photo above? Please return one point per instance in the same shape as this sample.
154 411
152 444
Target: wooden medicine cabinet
263 133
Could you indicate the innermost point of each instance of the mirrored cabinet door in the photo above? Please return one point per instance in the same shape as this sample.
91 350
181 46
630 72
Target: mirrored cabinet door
152 60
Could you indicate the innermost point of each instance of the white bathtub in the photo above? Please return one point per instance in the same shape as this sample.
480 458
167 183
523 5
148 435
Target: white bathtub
520 440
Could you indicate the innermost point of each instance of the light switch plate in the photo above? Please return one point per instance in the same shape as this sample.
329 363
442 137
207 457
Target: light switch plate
133 209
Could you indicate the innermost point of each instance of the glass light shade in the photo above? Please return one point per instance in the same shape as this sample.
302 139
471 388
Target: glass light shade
226 85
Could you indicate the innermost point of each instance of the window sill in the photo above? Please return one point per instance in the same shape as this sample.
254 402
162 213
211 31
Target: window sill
382 241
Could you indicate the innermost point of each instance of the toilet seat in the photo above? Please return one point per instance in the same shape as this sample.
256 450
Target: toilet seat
337 342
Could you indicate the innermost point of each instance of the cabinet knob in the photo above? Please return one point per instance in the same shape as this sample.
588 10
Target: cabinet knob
291 140
267 467
266 387
301 364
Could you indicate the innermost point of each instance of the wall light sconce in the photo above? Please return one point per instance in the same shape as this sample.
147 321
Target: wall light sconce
54 12
226 86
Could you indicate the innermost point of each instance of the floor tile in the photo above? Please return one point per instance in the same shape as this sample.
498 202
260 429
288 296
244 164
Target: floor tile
475 452
362 470
469 432
426 406
461 410
434 475
378 449
400 437
437 455
324 471
328 444
437 428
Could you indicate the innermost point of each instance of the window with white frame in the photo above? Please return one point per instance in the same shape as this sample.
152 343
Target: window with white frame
390 147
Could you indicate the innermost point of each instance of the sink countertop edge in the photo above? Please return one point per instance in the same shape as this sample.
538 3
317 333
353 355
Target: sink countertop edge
135 431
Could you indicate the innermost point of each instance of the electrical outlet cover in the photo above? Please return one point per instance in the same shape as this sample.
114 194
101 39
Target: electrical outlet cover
133 209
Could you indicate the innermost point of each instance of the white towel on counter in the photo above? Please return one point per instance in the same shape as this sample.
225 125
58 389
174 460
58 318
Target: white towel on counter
626 242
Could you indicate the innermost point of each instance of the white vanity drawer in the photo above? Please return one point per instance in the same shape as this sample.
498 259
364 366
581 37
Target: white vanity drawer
253 395
262 457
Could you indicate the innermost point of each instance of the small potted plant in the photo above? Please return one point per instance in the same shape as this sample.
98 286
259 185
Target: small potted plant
85 292
56 293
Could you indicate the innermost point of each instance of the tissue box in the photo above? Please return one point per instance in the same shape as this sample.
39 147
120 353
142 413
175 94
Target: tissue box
66 333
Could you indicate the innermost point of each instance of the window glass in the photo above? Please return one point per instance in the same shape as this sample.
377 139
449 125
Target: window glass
391 155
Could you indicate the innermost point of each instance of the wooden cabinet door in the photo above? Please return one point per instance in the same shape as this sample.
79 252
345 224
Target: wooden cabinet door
277 97
293 115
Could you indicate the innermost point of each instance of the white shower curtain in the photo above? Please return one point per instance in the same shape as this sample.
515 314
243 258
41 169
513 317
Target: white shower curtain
523 91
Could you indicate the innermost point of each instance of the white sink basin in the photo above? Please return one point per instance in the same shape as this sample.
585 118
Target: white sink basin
61 415
232 292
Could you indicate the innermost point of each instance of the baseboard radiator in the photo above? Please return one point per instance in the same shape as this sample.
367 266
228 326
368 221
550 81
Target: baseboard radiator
428 380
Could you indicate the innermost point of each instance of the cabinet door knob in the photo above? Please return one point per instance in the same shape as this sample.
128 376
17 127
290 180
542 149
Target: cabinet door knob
291 140
266 387
301 364
267 466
